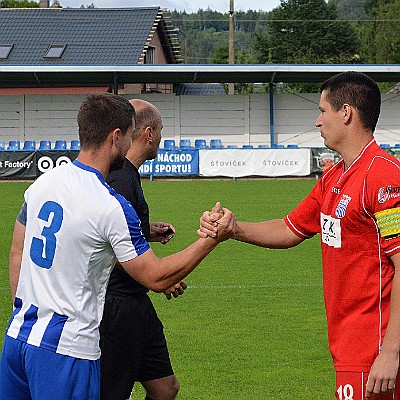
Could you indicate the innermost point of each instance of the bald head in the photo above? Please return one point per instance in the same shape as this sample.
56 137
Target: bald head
147 135
146 115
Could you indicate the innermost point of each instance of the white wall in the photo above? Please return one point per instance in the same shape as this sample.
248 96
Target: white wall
233 119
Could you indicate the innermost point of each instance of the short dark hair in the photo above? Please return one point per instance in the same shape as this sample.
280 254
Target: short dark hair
358 90
101 113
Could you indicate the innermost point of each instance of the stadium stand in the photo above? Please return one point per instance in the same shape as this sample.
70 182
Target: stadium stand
2 145
169 144
185 144
60 145
385 146
29 145
215 144
14 145
75 145
200 144
44 145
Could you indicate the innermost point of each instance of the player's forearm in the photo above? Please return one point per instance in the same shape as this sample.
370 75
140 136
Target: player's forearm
15 257
177 266
14 268
272 234
160 274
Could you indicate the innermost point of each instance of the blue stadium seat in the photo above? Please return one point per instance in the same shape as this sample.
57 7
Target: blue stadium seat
60 145
185 144
14 145
44 145
247 146
215 144
29 145
169 144
231 146
200 144
397 145
278 146
292 146
2 145
263 146
75 145
385 146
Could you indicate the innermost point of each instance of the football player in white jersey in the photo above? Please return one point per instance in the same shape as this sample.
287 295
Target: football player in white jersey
76 228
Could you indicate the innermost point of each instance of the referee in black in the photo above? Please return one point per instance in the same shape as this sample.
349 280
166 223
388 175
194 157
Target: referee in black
132 341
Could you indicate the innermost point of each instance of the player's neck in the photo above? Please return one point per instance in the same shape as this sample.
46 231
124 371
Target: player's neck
352 151
96 159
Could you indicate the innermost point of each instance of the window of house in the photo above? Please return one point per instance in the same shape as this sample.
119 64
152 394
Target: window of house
5 50
55 51
150 57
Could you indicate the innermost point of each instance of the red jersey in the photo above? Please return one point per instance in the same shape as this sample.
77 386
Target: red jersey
357 269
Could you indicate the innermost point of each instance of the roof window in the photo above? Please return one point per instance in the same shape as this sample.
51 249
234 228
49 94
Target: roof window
5 50
55 51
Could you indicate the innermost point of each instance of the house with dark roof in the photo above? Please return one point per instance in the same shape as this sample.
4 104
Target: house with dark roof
87 37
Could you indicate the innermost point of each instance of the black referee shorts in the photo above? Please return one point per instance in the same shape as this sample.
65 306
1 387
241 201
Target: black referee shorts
133 345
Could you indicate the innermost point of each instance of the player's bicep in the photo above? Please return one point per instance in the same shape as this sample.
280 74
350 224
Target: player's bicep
124 233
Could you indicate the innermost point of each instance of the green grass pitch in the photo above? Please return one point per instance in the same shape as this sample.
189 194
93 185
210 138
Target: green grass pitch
252 324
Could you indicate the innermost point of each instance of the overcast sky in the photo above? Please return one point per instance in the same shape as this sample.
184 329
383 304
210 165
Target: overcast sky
180 5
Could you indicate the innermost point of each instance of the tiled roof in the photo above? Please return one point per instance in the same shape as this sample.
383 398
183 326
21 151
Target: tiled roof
92 36
198 89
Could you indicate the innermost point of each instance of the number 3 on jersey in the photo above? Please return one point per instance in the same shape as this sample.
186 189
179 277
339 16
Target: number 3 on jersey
44 259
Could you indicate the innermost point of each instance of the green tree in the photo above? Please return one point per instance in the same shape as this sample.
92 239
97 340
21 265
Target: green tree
18 4
221 56
380 39
350 9
206 30
306 31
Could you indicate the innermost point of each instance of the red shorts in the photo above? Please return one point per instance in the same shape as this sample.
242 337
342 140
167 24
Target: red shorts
351 386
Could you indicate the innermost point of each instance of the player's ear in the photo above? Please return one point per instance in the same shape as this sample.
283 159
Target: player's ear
347 112
115 136
149 134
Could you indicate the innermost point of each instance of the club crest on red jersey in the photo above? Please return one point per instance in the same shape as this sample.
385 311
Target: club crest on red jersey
342 206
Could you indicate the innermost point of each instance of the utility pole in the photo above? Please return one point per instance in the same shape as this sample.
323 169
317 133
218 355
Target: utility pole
231 44
185 53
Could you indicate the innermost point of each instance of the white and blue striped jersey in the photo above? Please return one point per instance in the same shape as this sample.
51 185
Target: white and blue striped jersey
77 226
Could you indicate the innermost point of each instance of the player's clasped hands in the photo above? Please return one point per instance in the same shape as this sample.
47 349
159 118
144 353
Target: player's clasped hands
219 223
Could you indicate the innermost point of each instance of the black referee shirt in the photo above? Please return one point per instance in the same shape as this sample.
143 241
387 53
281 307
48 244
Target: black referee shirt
126 181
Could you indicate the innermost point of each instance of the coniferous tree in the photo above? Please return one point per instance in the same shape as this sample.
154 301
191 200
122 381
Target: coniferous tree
306 31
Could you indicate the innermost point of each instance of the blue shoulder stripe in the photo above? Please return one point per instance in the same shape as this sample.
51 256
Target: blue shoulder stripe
138 240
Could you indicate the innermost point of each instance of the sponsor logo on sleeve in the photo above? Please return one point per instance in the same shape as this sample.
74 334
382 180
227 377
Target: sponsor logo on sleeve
387 193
